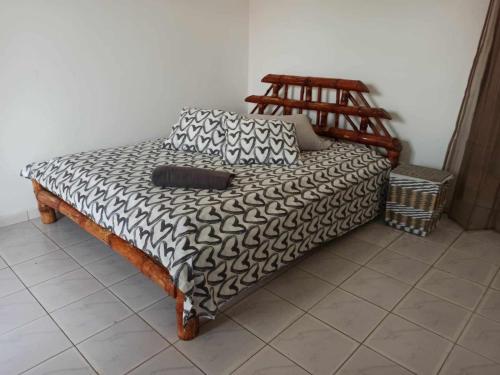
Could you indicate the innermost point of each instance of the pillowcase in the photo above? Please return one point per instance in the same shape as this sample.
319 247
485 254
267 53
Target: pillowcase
307 138
199 130
260 141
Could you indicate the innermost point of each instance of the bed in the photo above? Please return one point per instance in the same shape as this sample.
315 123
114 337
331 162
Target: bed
206 246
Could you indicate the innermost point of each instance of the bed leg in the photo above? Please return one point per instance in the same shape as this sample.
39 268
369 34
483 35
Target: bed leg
190 330
47 214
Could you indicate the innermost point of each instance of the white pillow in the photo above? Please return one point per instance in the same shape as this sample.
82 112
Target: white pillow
199 130
307 138
260 141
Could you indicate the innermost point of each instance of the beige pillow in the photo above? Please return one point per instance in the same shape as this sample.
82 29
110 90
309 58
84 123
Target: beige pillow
306 137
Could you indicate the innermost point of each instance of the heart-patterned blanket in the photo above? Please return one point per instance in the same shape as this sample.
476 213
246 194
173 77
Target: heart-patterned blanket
217 243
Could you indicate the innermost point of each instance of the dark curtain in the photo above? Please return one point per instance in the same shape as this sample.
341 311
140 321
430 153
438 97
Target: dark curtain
475 147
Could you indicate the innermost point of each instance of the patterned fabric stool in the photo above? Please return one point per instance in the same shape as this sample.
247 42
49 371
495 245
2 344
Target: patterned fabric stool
416 198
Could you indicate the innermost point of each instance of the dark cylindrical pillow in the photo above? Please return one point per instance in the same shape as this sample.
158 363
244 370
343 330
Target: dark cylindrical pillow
189 177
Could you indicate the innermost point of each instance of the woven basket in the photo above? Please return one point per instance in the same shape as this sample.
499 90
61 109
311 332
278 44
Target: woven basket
416 198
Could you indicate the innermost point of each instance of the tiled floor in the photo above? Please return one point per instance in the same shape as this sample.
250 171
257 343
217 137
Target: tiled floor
376 302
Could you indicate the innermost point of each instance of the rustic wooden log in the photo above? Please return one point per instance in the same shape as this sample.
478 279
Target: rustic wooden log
320 106
48 203
47 214
390 144
331 83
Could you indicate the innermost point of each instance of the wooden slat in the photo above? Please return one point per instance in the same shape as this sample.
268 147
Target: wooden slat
391 144
332 83
320 106
370 128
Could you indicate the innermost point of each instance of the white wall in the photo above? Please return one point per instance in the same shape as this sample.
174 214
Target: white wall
415 54
80 75
83 74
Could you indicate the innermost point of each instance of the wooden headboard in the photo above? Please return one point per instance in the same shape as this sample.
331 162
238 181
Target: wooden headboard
336 106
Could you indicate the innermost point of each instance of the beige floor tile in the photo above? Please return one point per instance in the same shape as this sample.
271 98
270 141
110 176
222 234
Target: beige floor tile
112 269
448 224
221 347
433 313
138 292
315 346
367 362
467 265
300 288
17 309
398 266
243 294
86 317
377 288
264 314
63 290
9 283
45 267
21 242
269 362
418 248
482 336
483 244
496 281
353 248
168 362
417 336
377 233
490 305
67 363
411 346
162 317
63 232
443 236
31 344
463 362
122 347
445 285
348 313
89 251
329 267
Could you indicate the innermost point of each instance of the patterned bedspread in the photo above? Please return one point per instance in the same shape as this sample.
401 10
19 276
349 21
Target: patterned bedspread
216 243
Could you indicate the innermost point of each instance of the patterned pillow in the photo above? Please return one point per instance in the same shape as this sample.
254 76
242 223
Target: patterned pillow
199 130
260 141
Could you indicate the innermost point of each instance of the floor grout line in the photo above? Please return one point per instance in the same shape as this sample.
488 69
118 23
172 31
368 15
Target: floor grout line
388 313
268 344
474 312
362 343
52 278
94 261
71 341
391 312
62 331
239 325
171 346
147 359
50 317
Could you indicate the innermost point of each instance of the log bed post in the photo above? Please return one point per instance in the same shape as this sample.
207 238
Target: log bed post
47 214
48 204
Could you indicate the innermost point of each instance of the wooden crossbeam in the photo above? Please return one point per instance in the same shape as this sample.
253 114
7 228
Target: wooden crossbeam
332 83
320 106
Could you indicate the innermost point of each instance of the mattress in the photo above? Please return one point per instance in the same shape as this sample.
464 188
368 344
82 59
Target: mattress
217 243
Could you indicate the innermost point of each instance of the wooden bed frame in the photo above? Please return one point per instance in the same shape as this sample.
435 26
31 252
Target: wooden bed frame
370 131
348 102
